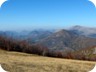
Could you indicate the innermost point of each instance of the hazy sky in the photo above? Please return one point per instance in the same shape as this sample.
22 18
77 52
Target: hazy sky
47 14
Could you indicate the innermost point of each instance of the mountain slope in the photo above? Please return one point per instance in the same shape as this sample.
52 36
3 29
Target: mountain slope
67 40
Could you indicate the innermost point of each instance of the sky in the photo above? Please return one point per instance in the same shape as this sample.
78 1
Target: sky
46 14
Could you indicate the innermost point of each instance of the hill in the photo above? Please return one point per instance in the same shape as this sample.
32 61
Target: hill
66 40
22 62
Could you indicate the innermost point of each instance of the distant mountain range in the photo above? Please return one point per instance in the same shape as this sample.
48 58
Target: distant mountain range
30 36
72 39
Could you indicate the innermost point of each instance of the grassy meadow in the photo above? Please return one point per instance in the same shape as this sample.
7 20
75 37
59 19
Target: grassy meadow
22 62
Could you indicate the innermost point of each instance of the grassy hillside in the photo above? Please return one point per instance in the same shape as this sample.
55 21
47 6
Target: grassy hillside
22 62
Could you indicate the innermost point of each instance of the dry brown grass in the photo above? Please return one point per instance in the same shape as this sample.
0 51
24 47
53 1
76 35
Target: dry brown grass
22 62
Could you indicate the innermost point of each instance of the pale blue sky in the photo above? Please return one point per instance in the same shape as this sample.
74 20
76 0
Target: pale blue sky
46 14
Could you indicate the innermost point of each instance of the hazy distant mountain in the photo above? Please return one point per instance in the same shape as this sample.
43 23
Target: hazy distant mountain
14 35
37 35
30 36
86 31
67 40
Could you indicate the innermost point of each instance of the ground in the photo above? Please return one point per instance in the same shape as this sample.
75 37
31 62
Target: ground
22 62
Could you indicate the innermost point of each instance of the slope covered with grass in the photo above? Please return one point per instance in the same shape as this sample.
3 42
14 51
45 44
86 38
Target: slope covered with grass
22 62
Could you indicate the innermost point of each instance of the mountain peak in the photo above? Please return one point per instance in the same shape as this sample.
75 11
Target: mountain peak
86 31
77 27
